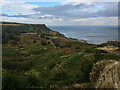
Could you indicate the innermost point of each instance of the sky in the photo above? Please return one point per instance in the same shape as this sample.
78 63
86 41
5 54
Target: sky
60 13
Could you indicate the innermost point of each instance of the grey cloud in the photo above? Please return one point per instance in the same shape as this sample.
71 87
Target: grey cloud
75 11
110 10
19 15
3 14
30 16
63 10
49 17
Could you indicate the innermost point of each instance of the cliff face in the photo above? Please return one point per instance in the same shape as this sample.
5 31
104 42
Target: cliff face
106 74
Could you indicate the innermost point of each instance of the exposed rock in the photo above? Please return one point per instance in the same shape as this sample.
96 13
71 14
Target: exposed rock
106 74
84 85
108 48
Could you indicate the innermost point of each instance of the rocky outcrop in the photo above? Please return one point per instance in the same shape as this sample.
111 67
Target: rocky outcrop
108 48
106 74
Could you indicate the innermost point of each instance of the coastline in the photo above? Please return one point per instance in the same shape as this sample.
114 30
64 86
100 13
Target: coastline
90 34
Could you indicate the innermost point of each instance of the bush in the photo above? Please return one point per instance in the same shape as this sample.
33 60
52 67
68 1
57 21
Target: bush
79 77
93 50
60 76
33 80
11 80
8 65
26 66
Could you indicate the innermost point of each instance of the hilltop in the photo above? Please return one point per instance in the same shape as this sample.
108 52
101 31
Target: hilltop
35 56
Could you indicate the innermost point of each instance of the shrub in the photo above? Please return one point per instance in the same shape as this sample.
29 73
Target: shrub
11 80
33 80
8 65
60 75
79 77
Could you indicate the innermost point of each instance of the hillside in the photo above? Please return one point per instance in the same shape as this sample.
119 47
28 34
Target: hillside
35 56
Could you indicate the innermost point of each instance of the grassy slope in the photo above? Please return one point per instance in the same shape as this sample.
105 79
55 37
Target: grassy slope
52 60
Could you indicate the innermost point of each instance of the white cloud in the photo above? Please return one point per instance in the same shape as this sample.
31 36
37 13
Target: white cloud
99 21
17 7
77 20
87 1
38 0
31 20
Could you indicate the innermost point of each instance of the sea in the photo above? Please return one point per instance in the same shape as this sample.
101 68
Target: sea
91 34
